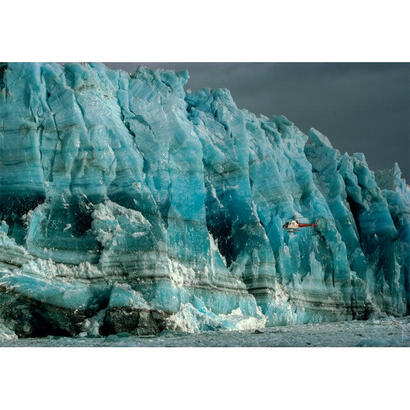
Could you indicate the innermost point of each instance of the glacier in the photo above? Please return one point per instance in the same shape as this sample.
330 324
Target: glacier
129 204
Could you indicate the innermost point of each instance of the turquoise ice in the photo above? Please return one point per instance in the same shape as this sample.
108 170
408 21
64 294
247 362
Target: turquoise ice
128 204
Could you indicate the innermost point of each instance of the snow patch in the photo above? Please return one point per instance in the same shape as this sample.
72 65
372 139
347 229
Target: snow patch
180 274
49 269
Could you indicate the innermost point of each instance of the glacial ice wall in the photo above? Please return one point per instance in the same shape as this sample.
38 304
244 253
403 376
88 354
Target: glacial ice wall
128 204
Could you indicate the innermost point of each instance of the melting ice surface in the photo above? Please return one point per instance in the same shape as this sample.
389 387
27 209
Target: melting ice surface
128 204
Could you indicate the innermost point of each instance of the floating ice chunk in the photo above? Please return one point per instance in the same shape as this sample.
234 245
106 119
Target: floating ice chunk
191 320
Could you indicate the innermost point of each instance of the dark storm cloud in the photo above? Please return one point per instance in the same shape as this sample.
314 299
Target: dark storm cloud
360 107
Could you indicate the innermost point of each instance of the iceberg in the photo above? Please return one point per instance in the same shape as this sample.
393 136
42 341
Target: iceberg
131 205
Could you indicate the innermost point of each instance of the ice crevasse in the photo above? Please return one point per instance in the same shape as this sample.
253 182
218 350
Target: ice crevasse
128 204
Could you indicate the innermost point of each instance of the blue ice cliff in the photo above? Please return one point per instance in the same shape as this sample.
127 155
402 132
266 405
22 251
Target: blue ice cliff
128 204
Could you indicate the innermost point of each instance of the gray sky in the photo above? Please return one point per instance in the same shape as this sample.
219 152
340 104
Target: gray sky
361 107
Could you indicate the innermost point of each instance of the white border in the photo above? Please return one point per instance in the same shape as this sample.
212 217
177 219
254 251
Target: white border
204 378
182 30
212 30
